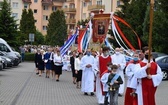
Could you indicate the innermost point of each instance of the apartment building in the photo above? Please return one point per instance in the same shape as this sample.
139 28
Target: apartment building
94 6
42 10
75 10
16 6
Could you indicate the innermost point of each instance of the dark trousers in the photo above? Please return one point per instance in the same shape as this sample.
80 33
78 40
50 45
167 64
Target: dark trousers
114 97
79 76
23 55
106 98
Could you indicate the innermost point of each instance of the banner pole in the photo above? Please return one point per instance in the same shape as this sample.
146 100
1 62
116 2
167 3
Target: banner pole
150 31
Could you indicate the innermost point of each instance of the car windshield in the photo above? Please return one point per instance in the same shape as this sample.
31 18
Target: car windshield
159 58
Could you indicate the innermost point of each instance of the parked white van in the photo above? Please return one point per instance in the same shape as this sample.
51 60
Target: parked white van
4 47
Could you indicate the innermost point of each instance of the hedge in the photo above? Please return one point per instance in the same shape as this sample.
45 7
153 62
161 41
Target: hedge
29 56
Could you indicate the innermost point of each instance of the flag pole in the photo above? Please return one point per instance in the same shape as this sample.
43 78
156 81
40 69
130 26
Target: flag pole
150 31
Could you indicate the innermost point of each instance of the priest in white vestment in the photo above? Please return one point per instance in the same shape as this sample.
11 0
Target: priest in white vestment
88 76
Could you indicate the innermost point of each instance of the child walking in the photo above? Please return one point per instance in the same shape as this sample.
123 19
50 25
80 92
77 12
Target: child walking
104 80
114 81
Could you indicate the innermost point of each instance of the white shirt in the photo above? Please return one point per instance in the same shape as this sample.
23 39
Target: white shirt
57 59
77 64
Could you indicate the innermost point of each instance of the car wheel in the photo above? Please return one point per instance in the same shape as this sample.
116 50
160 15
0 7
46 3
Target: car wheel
165 75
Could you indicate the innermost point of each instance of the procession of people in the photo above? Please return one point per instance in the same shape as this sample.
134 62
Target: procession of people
104 75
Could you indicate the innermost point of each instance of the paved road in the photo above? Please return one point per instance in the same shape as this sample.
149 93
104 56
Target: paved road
21 86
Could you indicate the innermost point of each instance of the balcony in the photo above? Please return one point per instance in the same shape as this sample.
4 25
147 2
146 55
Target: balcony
70 21
86 0
46 2
70 1
95 7
69 10
26 1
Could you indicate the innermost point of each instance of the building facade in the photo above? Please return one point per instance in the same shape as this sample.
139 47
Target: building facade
75 10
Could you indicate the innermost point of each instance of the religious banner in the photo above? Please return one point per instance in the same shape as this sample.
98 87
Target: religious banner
100 27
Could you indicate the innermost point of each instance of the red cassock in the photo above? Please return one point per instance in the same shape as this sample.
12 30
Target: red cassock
128 97
148 89
103 66
130 100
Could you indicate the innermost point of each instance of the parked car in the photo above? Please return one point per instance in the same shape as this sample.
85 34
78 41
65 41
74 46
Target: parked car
1 64
163 63
14 59
7 62
4 47
157 54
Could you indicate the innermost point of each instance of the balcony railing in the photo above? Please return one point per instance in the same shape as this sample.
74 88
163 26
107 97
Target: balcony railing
70 21
26 1
46 2
69 9
86 0
70 0
95 7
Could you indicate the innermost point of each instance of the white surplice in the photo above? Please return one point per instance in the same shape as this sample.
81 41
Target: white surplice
129 72
88 75
120 59
104 80
140 73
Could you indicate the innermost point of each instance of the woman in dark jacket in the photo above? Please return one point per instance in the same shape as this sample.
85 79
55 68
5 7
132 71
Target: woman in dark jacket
40 61
72 62
36 59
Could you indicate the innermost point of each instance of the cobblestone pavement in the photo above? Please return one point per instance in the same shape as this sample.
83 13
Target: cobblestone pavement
21 86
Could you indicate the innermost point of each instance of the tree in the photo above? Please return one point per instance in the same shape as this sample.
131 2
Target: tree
30 22
159 33
27 24
39 38
23 26
57 28
8 26
133 13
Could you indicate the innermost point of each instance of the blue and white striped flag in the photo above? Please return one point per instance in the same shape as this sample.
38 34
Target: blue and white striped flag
68 43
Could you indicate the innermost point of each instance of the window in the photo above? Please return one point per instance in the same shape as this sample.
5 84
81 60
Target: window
35 10
4 48
35 21
65 6
90 3
15 4
118 3
84 15
99 2
164 60
35 1
54 8
72 6
45 28
45 17
45 7
84 4
15 15
25 6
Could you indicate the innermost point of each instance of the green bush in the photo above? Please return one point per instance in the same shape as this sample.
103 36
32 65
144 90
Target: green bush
29 56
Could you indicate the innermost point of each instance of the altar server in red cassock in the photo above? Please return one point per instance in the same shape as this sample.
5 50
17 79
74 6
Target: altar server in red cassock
148 80
129 71
102 69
